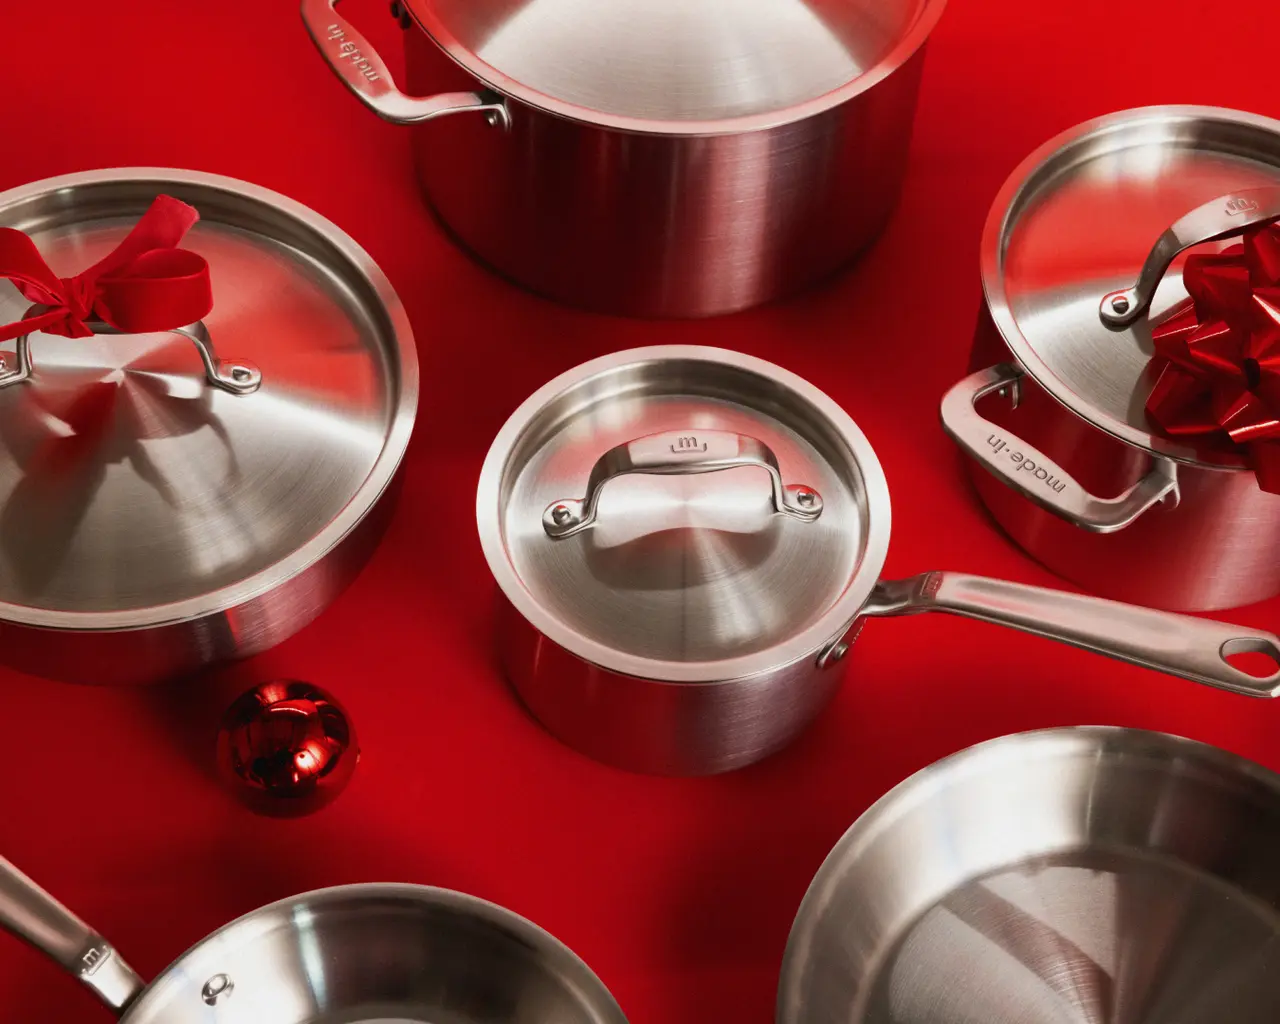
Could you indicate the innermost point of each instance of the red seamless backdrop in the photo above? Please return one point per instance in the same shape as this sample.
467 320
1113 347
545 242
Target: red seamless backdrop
679 893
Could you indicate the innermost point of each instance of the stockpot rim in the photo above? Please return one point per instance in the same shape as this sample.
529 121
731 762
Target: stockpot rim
486 910
920 784
1008 201
910 43
402 413
830 625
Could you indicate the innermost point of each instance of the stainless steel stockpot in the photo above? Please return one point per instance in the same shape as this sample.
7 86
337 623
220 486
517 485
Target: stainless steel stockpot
381 954
1068 463
652 157
1091 874
173 499
688 540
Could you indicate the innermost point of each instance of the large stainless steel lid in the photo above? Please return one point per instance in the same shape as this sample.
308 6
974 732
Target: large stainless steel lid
1077 220
131 491
701 562
683 62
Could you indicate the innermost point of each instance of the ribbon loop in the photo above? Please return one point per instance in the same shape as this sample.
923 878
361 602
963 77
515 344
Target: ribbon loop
1219 361
146 283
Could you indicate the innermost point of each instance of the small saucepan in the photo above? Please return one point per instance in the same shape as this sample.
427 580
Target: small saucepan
403 953
689 539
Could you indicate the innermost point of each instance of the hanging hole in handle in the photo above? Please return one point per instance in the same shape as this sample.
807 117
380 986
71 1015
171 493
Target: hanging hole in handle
1253 656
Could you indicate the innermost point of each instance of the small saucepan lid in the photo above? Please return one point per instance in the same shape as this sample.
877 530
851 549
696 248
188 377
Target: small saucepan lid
684 514
1100 213
139 485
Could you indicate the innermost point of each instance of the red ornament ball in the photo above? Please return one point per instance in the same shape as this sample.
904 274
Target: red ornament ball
286 748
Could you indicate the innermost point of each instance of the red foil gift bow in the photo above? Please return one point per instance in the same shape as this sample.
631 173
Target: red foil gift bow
1221 357
145 284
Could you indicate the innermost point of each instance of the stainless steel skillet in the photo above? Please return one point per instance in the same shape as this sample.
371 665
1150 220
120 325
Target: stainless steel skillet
355 954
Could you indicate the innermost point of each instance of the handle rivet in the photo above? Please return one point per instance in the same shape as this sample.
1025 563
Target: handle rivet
239 374
561 515
837 652
806 498
217 988
1120 304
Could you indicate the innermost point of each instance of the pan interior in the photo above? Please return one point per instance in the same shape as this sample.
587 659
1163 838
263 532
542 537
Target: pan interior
692 568
1055 879
127 482
674 60
379 954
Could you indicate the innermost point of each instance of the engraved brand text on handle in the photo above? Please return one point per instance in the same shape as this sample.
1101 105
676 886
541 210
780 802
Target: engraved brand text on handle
687 446
1239 204
348 50
93 958
1001 447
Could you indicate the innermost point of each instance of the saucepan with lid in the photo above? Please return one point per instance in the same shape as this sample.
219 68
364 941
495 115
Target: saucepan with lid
1069 875
1078 263
380 953
688 540
169 500
652 157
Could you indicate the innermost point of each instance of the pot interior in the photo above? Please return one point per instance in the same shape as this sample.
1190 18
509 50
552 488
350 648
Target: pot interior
1077 874
1078 221
683 569
674 60
378 954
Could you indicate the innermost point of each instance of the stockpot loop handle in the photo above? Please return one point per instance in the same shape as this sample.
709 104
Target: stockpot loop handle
680 453
1181 645
1032 473
236 376
357 64
34 916
1219 218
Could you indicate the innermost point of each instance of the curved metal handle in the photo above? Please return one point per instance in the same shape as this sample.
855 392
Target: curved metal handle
1219 218
237 376
679 454
357 63
1036 476
1181 645
34 916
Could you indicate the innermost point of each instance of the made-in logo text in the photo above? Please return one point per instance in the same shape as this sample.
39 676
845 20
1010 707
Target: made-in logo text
348 50
1025 465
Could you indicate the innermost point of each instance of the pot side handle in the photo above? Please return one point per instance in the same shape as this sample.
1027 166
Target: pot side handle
360 68
1228 215
1032 473
1181 645
31 914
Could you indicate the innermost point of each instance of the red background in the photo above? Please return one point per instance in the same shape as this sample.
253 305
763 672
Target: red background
679 893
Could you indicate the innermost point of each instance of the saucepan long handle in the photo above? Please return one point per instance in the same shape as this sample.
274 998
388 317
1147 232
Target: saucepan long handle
32 914
680 453
1181 645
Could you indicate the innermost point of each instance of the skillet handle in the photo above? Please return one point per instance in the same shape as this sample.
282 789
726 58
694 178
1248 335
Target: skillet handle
33 915
1181 645
357 63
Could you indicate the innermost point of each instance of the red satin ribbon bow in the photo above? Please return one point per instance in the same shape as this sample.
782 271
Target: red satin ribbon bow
1221 372
145 284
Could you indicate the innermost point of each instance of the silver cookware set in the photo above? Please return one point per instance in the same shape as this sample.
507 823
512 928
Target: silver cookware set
686 540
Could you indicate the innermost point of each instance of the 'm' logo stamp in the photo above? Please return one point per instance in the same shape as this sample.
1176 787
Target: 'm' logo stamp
688 445
1239 204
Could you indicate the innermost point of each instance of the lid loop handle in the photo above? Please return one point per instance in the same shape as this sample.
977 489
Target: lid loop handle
236 376
680 453
1219 218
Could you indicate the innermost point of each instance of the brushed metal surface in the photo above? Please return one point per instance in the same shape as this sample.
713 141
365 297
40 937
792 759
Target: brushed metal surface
135 497
1073 876
673 60
357 954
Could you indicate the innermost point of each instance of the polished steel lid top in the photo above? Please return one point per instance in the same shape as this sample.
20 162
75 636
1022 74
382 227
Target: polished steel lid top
684 513
133 489
678 60
1078 220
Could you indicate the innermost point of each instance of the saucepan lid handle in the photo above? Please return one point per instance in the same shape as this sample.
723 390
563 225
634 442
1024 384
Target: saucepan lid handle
1228 215
237 376
680 453
31 914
